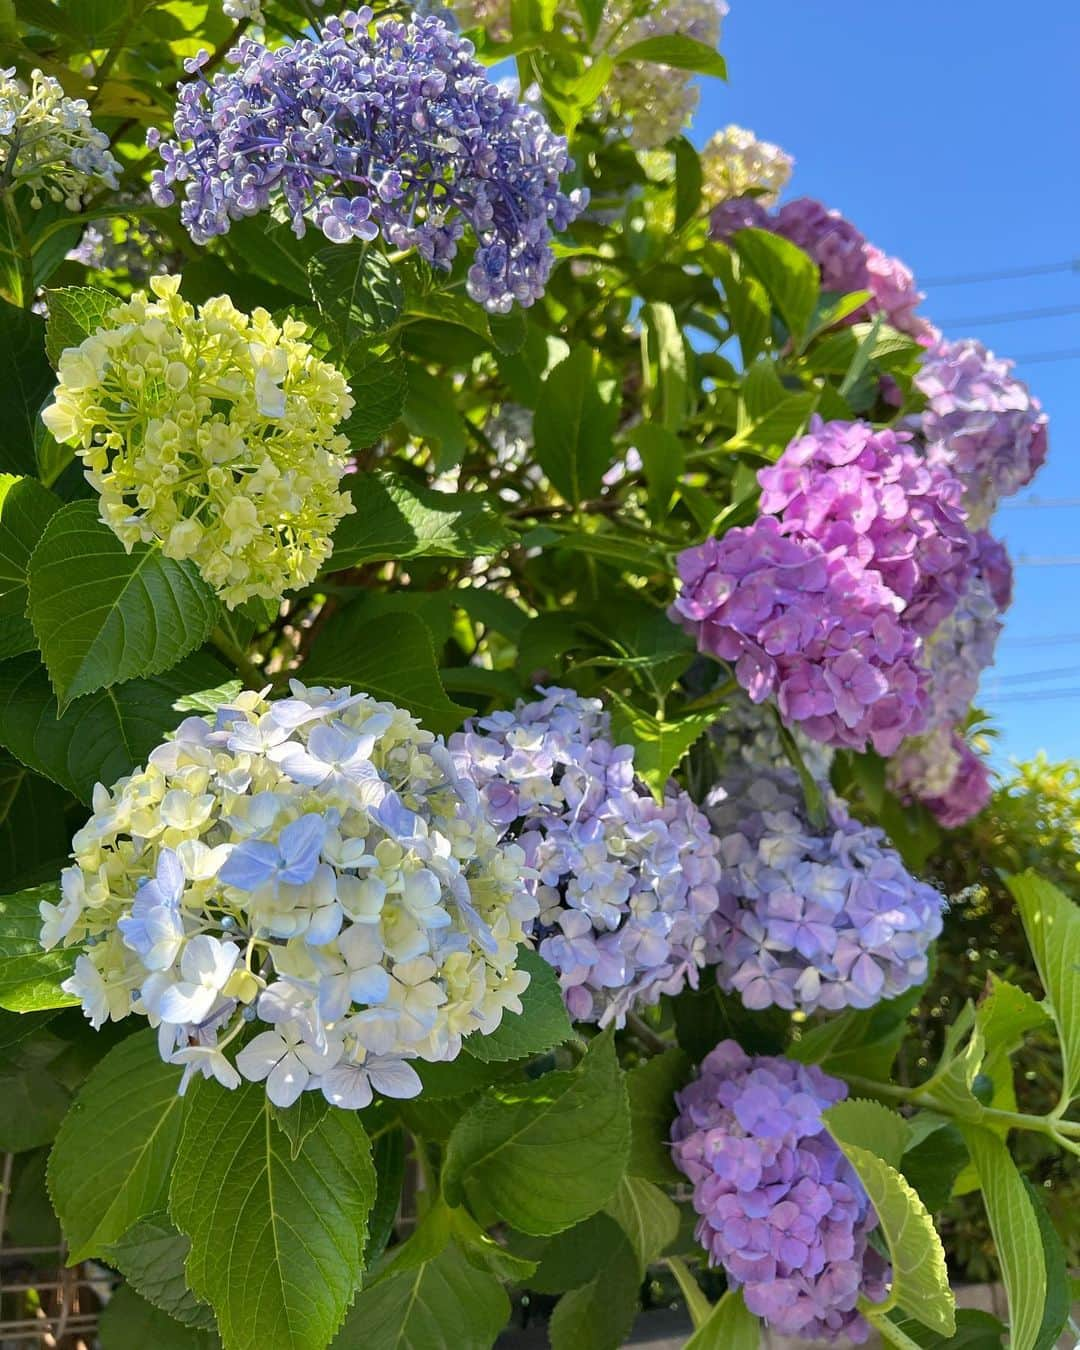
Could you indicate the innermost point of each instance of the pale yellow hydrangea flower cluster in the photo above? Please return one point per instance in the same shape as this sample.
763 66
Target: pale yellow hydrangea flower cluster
734 162
315 865
213 432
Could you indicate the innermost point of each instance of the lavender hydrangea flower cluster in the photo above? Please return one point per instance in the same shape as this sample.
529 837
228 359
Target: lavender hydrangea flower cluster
848 262
823 601
624 884
397 130
981 422
782 1210
870 494
811 918
941 770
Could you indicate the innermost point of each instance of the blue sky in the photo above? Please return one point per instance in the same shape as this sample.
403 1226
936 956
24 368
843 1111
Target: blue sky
948 131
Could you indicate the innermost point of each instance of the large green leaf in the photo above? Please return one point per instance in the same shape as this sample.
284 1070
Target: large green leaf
547 1153
542 1023
98 738
599 1313
109 1167
574 423
29 977
104 616
427 1297
675 49
786 272
277 1242
651 1088
1017 1237
1052 924
379 379
25 508
151 1257
28 378
74 313
390 657
659 743
648 1217
357 290
730 1326
32 1105
871 1126
130 1322
920 1280
33 829
396 519
668 348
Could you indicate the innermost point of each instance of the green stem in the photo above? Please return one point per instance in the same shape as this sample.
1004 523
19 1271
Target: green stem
17 235
252 676
645 1034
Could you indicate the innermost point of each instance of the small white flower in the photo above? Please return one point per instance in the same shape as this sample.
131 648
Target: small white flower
286 1061
205 966
352 1086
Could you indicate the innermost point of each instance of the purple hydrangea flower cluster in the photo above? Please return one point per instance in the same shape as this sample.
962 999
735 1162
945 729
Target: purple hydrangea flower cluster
782 1210
942 771
625 884
396 130
871 495
981 422
813 629
847 261
811 918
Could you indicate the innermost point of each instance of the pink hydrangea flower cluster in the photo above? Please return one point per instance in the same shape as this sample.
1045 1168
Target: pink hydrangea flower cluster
782 1210
980 422
848 262
823 601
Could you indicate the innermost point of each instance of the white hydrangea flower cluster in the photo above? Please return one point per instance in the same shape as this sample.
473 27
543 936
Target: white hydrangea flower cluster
48 142
213 432
734 163
315 865
656 101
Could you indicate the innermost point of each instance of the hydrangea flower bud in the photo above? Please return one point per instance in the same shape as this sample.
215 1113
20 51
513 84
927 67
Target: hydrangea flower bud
810 917
395 131
624 884
211 432
317 859
980 422
49 144
782 1210
734 162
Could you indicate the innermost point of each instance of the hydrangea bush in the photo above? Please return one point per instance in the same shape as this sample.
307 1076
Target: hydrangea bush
492 605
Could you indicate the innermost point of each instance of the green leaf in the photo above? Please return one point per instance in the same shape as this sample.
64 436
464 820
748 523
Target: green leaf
357 291
388 1158
786 272
28 379
574 424
674 49
277 1242
933 1164
33 827
104 616
390 657
730 1326
651 1088
482 1251
668 349
542 1023
29 977
25 509
396 519
109 1167
548 1153
508 331
697 1305
663 459
599 1314
32 1105
863 1042
1058 1303
428 1298
1017 1236
297 1121
747 300
659 745
871 1126
431 414
688 180
74 313
648 1217
151 1257
573 1257
98 738
974 1331
129 1322
380 384
1052 925
920 1280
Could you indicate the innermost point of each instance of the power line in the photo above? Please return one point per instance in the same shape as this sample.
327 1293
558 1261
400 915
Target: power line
1042 358
1041 502
1046 640
1008 274
1024 560
1013 316
1053 673
1040 696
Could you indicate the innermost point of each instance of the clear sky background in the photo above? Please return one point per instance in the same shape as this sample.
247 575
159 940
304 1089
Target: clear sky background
949 132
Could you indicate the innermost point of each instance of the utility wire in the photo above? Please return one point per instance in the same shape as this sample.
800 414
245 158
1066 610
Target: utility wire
1043 358
1013 316
1036 501
1025 560
1008 274
1053 673
1041 696
1046 640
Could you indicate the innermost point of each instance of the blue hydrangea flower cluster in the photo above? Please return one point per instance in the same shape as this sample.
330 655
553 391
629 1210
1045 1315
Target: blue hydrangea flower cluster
810 918
782 1210
395 129
624 884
